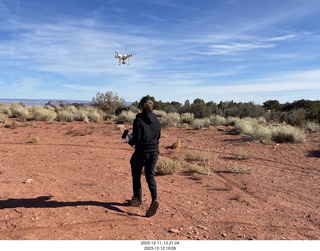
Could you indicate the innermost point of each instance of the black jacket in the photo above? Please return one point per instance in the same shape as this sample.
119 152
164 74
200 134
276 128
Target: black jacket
146 133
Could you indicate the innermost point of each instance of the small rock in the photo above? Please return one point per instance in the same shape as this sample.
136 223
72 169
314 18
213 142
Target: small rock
221 130
223 234
202 227
174 231
28 181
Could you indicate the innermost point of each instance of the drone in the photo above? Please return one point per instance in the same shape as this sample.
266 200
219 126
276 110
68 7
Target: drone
125 58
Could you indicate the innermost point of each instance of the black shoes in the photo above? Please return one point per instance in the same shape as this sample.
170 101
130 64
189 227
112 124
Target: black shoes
153 208
135 202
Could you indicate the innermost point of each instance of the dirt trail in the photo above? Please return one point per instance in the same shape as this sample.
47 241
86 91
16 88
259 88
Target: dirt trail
73 185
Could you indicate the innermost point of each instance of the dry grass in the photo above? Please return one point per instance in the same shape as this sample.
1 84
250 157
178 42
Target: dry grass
201 123
170 120
34 140
201 169
287 133
243 154
3 118
187 118
197 155
168 166
235 168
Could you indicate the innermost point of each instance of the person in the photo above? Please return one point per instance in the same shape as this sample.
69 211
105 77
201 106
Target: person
145 137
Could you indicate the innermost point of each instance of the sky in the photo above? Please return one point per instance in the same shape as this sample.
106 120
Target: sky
215 50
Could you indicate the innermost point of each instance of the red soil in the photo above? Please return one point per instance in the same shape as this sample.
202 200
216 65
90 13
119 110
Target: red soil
74 182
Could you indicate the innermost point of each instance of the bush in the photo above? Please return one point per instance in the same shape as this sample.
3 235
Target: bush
42 114
201 169
287 133
217 120
3 118
93 115
159 114
187 118
197 155
168 166
170 120
251 129
312 126
108 102
80 115
234 168
19 111
65 116
125 117
5 109
243 154
201 123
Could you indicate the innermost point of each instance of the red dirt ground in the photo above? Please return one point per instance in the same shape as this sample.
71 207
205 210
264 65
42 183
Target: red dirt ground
73 184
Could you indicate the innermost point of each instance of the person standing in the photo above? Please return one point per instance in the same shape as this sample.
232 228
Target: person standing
145 137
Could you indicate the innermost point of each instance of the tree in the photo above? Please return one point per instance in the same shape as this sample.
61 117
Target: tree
108 102
199 109
272 105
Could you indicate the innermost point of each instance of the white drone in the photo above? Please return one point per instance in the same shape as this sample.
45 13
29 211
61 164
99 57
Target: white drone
125 58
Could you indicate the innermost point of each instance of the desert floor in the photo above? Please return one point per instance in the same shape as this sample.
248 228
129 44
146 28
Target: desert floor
73 185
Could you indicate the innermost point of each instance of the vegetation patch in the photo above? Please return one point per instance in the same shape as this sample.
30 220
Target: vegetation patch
197 155
287 133
235 168
34 140
243 154
201 169
170 120
167 166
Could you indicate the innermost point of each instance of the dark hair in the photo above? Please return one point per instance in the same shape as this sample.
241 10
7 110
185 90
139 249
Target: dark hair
146 104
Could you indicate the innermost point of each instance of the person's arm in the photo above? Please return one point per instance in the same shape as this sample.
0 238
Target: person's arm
136 134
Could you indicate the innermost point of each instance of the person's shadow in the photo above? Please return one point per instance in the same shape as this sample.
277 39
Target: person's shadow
45 202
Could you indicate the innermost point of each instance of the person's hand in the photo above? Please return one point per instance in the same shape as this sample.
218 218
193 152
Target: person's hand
130 136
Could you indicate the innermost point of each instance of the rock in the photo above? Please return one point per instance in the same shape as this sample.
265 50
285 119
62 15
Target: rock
221 130
28 181
174 231
223 234
202 227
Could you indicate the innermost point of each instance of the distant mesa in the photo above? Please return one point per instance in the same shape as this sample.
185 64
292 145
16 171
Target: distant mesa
55 104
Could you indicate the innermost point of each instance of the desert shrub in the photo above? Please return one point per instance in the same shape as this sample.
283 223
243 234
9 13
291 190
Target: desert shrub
80 115
5 109
19 111
231 120
187 118
42 114
201 123
262 121
218 120
168 166
71 108
108 102
243 154
196 155
125 117
49 107
159 113
170 120
107 116
312 126
251 129
201 169
3 118
93 115
287 133
235 168
65 116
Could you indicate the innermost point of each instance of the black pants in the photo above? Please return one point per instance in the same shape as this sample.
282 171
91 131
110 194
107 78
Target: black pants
148 161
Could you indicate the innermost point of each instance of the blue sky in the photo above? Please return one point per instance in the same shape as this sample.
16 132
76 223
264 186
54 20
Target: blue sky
216 50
